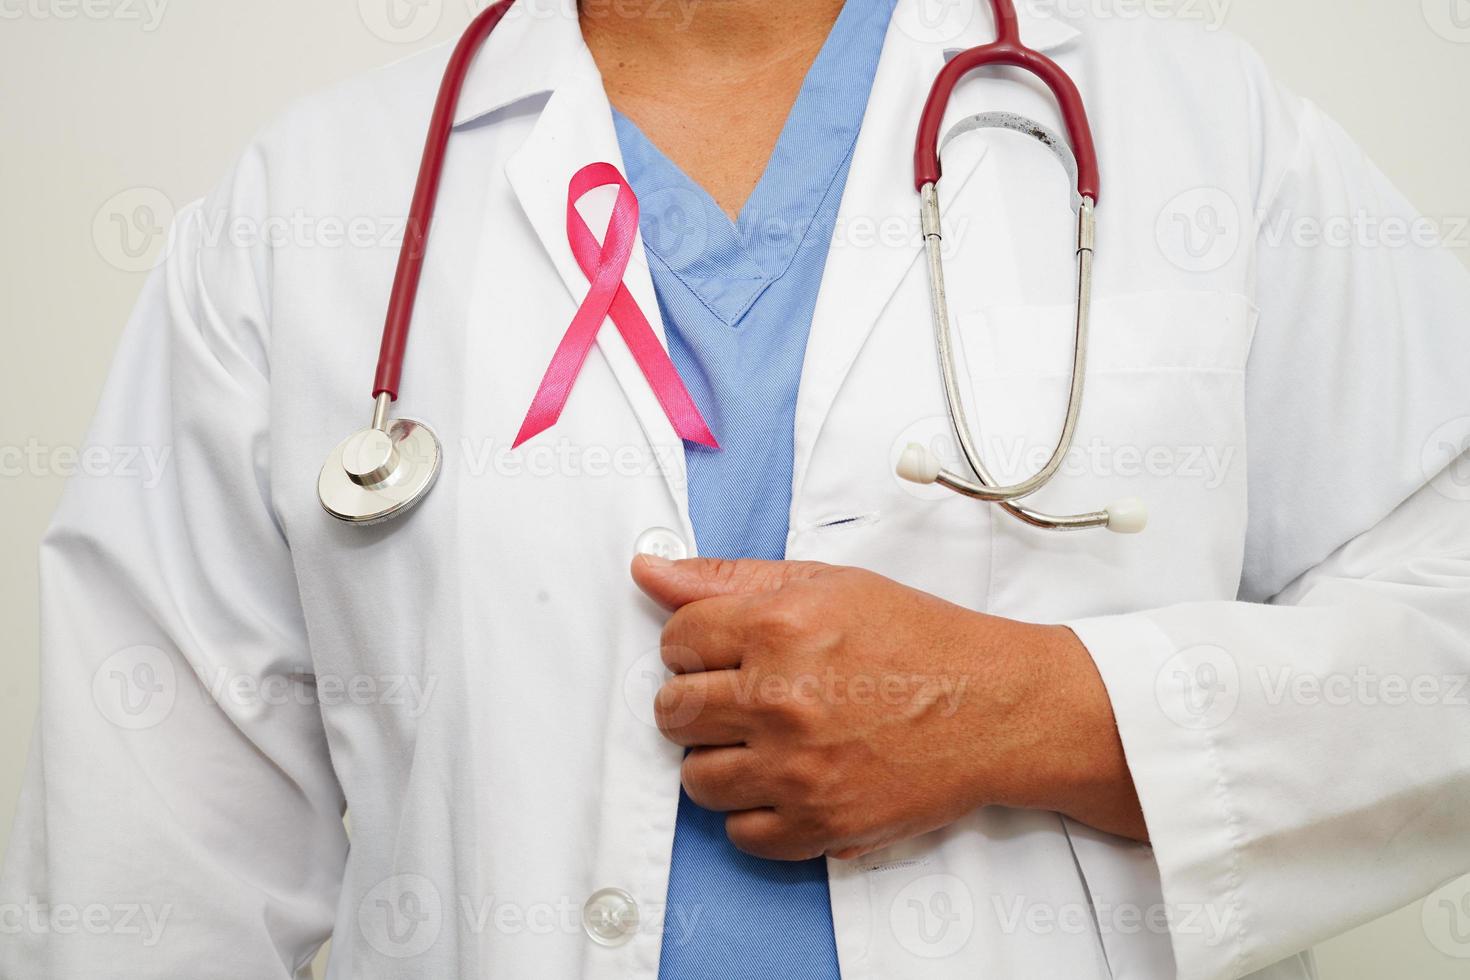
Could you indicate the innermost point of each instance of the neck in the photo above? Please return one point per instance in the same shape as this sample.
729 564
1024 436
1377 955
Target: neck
728 38
710 82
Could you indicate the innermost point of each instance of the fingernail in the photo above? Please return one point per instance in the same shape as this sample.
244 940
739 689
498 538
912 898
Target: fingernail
656 561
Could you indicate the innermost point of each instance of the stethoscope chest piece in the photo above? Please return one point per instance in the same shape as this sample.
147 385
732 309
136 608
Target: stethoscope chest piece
381 472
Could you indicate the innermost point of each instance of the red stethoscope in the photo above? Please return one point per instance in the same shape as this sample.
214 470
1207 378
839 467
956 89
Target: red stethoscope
384 470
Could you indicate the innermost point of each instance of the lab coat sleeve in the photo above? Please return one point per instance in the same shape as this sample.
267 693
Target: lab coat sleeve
1303 754
180 816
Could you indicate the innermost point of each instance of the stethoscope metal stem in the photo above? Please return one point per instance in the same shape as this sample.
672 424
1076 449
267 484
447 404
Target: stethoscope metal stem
381 405
989 488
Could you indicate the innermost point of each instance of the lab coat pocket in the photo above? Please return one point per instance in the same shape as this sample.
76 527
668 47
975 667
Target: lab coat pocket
1162 420
1122 883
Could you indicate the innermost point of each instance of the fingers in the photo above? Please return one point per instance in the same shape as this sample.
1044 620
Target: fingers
764 833
678 583
706 635
723 779
705 709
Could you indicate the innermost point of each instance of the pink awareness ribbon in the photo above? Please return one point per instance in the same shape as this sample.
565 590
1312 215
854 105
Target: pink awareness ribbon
604 264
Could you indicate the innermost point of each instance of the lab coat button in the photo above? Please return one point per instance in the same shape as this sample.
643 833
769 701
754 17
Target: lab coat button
662 543
610 917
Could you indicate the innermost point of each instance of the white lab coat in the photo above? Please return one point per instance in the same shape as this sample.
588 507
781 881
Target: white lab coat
483 670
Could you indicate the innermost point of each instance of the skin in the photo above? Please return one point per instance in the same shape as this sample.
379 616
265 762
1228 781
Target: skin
686 70
833 711
830 710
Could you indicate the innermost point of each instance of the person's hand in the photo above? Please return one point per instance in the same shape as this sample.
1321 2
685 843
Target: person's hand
833 711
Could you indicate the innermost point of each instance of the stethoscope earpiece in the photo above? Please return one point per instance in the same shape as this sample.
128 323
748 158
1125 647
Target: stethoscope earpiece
917 464
1127 516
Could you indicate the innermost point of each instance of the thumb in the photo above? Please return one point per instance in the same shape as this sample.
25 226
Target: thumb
678 583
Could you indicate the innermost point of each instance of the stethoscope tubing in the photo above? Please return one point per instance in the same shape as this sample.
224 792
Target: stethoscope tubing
1007 50
425 197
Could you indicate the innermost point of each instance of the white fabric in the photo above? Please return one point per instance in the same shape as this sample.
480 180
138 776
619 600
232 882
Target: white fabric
484 669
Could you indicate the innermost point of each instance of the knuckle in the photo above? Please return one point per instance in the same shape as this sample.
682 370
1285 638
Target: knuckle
694 780
666 705
677 706
680 658
748 836
781 619
675 647
806 781
785 708
771 838
834 826
722 571
816 829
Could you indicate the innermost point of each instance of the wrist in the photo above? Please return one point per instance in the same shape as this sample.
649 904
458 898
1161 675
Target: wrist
1063 752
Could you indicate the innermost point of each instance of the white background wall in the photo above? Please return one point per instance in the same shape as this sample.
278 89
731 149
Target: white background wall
110 109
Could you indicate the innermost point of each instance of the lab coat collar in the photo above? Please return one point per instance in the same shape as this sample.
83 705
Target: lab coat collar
534 49
574 128
539 45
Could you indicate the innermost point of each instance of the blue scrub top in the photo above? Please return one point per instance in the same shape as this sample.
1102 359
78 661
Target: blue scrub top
737 301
